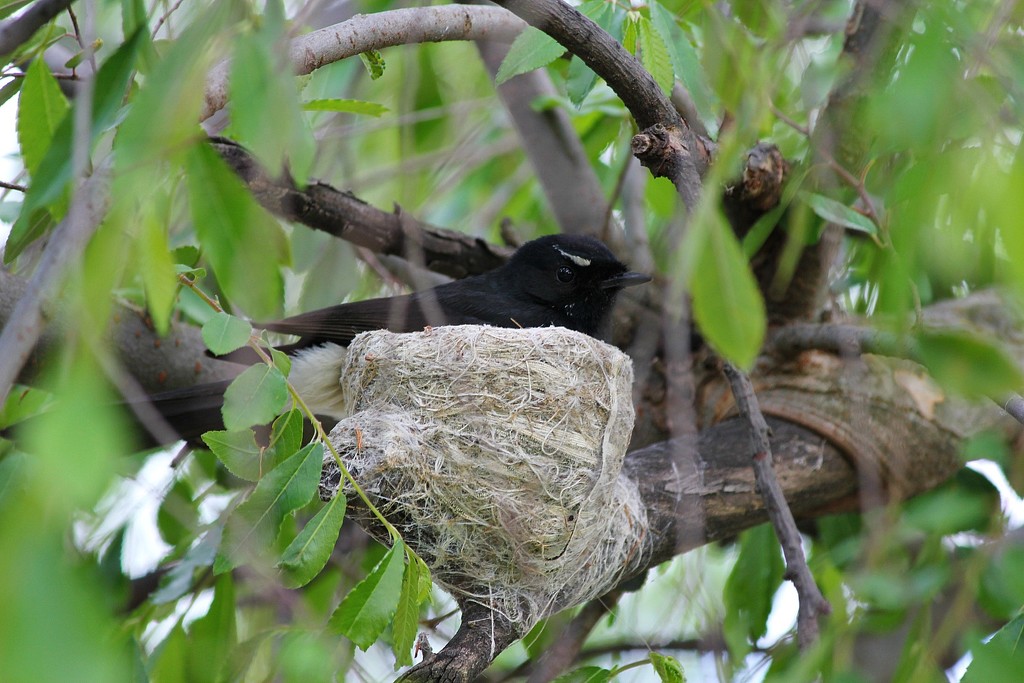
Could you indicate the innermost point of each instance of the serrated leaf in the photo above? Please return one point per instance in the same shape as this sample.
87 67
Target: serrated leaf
669 669
727 304
255 397
967 364
242 241
686 64
224 333
347 106
754 579
237 451
365 612
654 55
407 615
532 49
285 437
585 674
581 78
41 109
254 525
374 63
307 555
838 213
629 34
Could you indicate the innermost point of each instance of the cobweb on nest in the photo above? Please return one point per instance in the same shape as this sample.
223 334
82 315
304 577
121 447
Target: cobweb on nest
497 453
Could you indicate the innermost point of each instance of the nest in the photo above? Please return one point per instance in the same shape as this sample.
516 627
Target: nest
497 453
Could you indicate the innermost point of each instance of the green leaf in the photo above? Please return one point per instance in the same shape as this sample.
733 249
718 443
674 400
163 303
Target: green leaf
12 6
285 437
179 580
266 114
255 524
153 254
967 364
407 615
213 637
755 578
669 669
242 241
224 333
171 658
629 34
686 64
374 63
307 555
654 55
840 214
727 304
54 171
41 109
585 674
1001 659
531 50
581 78
237 450
255 397
347 106
365 612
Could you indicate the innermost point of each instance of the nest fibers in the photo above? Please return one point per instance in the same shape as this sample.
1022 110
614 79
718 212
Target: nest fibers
497 452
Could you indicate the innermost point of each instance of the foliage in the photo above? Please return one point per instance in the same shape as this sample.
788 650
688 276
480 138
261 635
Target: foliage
931 202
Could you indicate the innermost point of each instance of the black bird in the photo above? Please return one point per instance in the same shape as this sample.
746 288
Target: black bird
565 280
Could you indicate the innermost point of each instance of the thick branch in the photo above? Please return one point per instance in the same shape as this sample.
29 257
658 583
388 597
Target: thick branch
672 150
376 31
343 215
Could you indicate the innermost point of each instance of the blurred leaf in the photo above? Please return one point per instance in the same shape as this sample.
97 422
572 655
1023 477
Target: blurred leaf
1001 659
654 55
266 115
753 582
178 515
171 658
967 364
213 636
254 525
407 615
727 304
585 674
581 78
532 49
42 107
346 106
154 259
238 451
242 241
669 669
11 6
224 333
374 63
307 555
54 171
370 605
840 214
181 577
1002 584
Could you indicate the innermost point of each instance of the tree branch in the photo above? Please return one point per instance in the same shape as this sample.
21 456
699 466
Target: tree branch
377 31
812 602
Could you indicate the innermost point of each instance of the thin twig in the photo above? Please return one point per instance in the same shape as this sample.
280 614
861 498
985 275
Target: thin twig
13 186
812 602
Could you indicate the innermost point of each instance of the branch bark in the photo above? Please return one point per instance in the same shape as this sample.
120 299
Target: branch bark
366 32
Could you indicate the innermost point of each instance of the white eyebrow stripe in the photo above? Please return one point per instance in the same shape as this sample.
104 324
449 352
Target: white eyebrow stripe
578 260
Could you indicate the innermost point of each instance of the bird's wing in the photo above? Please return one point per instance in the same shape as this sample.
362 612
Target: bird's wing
340 324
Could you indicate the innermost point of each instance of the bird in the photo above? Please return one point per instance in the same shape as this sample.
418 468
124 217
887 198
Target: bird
564 280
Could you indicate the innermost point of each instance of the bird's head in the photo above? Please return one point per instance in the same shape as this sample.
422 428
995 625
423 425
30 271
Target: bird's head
576 275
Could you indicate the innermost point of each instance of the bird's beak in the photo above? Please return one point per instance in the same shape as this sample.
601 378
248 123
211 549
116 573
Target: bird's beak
625 280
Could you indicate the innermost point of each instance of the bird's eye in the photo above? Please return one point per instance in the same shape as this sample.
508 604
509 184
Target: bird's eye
565 274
